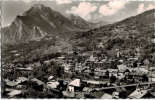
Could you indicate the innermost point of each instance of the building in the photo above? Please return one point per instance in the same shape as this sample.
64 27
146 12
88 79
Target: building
78 67
122 68
100 45
13 93
52 84
51 77
100 72
74 85
138 93
21 80
67 67
112 72
106 96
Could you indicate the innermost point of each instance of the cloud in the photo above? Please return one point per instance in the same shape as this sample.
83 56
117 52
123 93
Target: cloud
57 1
84 10
63 1
150 6
28 1
142 8
112 7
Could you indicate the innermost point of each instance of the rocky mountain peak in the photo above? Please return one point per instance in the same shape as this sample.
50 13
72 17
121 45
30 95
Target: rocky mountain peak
38 6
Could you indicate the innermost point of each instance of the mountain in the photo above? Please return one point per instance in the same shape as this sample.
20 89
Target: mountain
80 22
62 34
38 22
133 32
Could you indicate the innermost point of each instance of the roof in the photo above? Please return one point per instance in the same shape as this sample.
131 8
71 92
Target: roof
141 70
52 84
37 81
137 94
21 79
51 77
87 89
28 68
92 58
94 82
11 83
153 40
122 67
75 82
68 94
14 92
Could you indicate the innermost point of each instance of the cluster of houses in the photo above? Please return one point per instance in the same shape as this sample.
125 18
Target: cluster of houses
92 73
102 66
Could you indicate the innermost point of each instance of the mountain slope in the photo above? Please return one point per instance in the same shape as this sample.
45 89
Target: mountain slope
81 23
136 31
38 22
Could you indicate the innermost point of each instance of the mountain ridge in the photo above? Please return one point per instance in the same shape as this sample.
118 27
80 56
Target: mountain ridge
41 18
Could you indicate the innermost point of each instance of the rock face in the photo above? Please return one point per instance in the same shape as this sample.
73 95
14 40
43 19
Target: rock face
38 22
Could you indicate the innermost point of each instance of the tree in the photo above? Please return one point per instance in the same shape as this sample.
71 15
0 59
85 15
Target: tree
59 71
145 78
113 79
107 73
123 94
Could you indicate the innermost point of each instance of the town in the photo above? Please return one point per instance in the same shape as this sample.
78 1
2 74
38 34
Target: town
77 74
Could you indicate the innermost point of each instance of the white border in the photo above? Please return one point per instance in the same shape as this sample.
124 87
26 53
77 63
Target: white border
53 0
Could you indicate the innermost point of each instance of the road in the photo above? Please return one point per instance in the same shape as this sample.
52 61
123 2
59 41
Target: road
112 87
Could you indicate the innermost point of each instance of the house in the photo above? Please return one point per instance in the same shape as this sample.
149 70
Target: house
25 69
21 80
153 40
37 81
87 71
68 94
21 87
52 84
152 78
51 77
47 62
87 89
106 96
14 93
17 55
141 71
138 93
74 85
112 72
100 72
92 82
67 67
92 59
146 62
11 83
118 53
100 45
120 75
37 84
78 67
61 57
115 95
122 68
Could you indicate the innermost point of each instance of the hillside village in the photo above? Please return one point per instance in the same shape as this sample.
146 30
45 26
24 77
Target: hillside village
78 75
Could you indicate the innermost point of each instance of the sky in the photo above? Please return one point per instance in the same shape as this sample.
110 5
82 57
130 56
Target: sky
90 10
